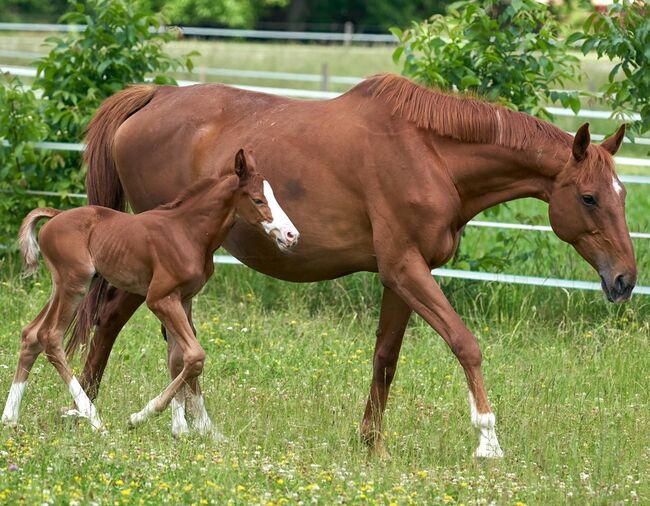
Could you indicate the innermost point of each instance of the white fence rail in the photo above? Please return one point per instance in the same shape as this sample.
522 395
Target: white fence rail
316 94
344 37
491 277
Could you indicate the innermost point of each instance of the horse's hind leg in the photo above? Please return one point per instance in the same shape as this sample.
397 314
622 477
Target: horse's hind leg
393 318
30 348
50 334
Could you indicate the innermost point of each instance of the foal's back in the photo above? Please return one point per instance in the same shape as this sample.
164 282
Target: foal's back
80 242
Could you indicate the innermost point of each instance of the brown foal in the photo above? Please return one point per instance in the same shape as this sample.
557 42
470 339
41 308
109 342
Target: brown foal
164 255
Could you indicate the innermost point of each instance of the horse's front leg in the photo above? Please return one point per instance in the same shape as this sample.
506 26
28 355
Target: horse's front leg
409 276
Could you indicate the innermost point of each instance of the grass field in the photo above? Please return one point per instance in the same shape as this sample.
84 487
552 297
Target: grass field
286 379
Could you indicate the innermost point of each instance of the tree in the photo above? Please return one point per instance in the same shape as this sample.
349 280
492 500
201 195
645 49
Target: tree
507 52
623 35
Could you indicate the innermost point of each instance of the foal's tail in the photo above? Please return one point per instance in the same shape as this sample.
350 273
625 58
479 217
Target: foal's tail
27 237
104 188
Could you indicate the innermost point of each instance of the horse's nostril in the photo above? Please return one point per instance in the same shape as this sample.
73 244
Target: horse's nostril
290 235
619 283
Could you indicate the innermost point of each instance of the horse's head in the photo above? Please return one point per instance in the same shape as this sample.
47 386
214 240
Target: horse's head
587 210
256 203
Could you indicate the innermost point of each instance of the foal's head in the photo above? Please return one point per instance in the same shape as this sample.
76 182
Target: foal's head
587 210
256 203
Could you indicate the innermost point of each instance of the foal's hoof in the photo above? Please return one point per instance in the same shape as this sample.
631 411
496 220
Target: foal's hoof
488 452
9 422
72 413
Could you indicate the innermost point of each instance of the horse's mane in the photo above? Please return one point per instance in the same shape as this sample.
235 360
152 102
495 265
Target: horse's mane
459 117
192 190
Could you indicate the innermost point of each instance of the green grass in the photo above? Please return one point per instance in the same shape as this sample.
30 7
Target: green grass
286 379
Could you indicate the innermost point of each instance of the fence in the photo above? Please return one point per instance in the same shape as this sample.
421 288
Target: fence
345 37
448 273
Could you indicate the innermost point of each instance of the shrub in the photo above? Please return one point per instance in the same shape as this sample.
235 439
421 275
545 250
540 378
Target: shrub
623 35
120 45
506 52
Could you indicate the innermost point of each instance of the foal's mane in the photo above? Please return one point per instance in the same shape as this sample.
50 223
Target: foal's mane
459 117
194 189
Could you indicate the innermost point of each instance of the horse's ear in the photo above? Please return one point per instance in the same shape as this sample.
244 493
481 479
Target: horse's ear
614 142
581 142
241 167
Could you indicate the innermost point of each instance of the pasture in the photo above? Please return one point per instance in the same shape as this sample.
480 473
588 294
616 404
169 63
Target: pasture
286 379
289 367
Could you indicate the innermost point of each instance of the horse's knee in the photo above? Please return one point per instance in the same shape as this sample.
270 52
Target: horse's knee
385 365
193 361
467 351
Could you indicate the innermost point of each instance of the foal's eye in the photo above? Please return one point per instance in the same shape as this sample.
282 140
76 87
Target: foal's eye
258 202
589 200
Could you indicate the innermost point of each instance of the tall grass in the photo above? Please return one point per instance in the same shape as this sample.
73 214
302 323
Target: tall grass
286 379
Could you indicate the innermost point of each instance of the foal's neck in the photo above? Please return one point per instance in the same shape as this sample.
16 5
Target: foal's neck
209 214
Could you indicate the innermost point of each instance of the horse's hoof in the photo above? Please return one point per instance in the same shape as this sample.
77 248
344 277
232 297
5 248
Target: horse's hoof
9 422
379 452
217 436
488 452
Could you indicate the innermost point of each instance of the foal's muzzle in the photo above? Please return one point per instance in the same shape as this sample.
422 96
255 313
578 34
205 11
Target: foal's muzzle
618 288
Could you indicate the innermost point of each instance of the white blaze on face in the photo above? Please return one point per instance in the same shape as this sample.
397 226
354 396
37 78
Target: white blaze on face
280 225
617 186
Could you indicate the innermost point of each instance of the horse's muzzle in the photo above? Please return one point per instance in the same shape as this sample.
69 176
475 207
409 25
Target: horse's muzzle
619 289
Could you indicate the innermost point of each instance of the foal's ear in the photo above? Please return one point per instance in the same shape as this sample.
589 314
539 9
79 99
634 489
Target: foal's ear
241 167
614 142
581 142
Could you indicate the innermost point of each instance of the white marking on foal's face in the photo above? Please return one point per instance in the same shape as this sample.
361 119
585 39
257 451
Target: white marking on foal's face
617 186
285 233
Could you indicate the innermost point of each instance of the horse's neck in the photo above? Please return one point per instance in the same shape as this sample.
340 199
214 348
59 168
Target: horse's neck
486 175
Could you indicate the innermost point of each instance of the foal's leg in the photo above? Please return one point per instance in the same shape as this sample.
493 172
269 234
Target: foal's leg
190 395
50 335
179 420
169 311
30 348
393 318
410 277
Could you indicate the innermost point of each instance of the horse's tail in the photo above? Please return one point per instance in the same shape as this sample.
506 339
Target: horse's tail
27 237
104 188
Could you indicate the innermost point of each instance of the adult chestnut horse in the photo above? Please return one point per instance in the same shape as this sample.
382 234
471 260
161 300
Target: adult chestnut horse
382 178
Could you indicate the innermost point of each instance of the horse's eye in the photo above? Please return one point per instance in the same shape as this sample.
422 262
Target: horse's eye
258 202
589 200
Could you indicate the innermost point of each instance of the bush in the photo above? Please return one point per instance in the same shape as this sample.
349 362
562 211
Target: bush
120 45
623 35
505 52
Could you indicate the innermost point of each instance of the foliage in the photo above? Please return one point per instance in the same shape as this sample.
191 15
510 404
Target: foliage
235 13
120 45
21 164
623 35
31 10
505 52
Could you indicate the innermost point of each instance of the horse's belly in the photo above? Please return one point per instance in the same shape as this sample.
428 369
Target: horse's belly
310 260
